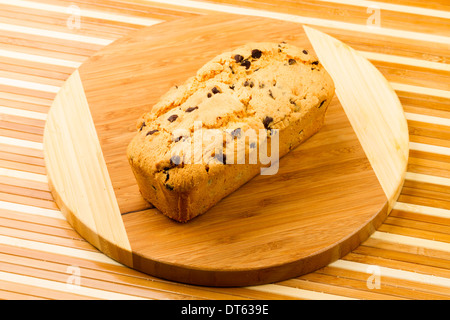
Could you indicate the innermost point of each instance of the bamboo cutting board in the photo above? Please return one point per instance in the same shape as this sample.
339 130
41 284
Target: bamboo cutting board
328 196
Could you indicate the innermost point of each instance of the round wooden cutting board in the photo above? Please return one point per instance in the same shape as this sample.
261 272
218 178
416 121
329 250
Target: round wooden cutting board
326 198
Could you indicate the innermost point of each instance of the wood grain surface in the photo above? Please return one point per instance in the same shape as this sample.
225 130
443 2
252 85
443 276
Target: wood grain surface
41 253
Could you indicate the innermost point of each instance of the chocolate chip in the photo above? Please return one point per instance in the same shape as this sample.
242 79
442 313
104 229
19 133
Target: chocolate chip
236 133
238 58
256 54
151 132
246 83
246 64
175 160
172 118
292 61
315 63
305 51
190 109
209 94
266 122
215 90
142 126
231 87
168 186
321 104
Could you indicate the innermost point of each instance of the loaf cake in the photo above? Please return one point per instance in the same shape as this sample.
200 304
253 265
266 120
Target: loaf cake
193 147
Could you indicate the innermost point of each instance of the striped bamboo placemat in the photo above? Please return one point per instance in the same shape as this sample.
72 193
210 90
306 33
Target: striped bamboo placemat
43 42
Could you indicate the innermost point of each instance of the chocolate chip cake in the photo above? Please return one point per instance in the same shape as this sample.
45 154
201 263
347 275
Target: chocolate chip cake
203 139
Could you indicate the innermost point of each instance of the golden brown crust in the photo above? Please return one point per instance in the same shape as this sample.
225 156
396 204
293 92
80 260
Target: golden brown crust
258 86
